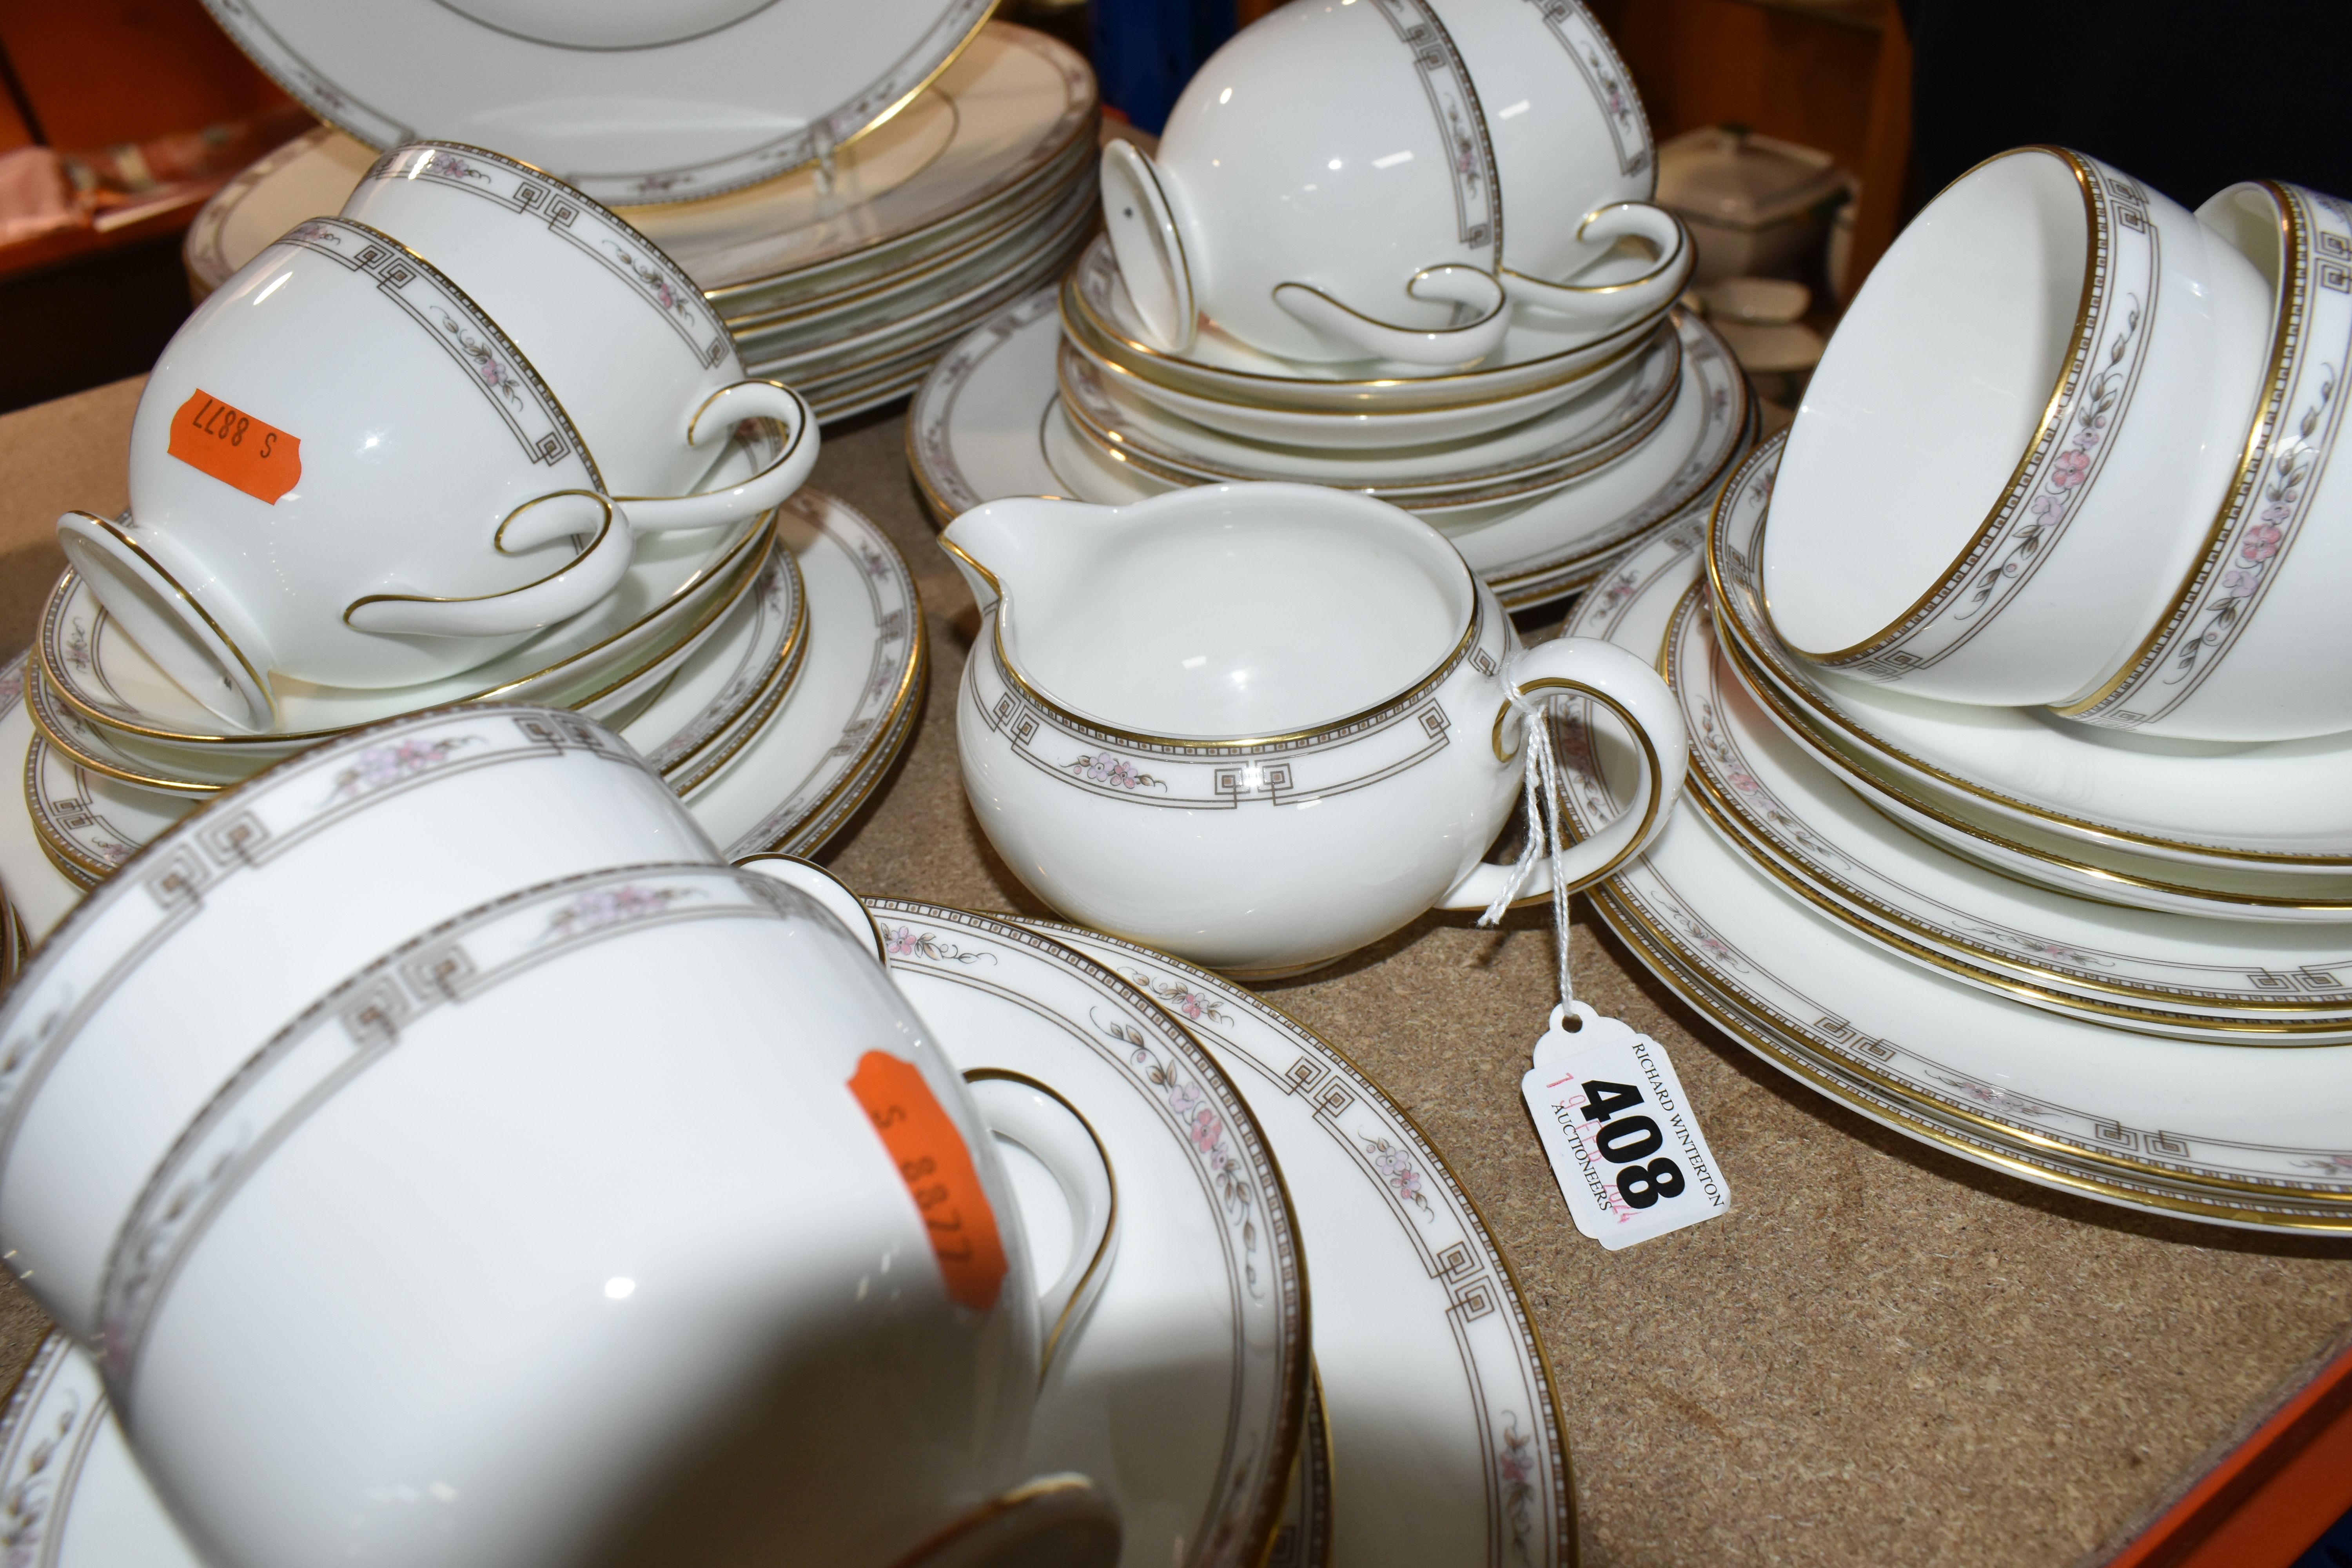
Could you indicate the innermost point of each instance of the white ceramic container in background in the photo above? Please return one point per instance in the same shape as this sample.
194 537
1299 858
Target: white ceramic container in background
145 998
632 1218
1258 725
2255 644
643 363
1329 187
1755 206
341 471
2018 437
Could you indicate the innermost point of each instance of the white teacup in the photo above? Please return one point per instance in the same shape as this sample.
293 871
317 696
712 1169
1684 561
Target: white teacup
1329 188
2018 438
2254 643
148 994
634 1218
1260 725
643 363
343 472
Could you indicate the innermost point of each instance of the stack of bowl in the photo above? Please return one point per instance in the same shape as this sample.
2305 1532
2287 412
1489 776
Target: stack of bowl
614 530
1259 308
2020 749
847 277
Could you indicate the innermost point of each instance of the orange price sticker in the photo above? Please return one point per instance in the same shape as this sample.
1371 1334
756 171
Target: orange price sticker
235 448
940 1175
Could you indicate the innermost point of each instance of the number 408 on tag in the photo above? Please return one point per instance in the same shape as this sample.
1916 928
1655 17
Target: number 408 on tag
1619 1133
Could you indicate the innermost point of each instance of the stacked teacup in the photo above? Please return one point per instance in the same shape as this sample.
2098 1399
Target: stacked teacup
498 1219
2048 571
1406 249
473 438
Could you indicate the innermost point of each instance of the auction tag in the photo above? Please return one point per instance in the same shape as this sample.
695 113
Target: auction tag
940 1175
1623 1145
235 448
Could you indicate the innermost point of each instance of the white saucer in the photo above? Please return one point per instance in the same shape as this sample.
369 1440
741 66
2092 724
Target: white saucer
2228 982
660 106
1183 1391
1609 418
1446 1438
2282 808
965 154
982 426
2261 1138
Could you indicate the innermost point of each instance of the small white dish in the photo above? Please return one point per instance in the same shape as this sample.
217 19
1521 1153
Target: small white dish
628 105
1447 1440
1183 1394
2225 981
2249 1138
2175 803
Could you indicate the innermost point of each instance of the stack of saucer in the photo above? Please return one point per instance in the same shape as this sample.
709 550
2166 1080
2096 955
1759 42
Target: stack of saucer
2066 949
847 280
1259 308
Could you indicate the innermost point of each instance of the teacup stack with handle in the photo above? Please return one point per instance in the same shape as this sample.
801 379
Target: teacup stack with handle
1405 247
568 1174
473 438
2044 573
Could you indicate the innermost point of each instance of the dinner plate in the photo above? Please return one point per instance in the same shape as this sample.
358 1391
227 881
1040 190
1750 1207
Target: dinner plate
1447 1445
2249 1138
650 105
2230 982
987 424
1010 114
1098 312
677 589
1616 414
1183 1391
2281 808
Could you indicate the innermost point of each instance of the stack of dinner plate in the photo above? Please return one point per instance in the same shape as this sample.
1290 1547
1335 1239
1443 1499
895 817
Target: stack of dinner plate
2066 924
845 278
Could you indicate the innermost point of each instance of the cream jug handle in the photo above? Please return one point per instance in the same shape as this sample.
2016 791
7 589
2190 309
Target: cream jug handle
1022 1111
559 596
1447 348
1614 303
1639 696
714 421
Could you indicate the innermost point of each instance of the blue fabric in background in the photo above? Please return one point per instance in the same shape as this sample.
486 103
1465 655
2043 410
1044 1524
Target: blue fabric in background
1146 50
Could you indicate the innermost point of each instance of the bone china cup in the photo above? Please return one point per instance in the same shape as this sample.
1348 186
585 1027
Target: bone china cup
1260 725
642 362
2018 438
2254 643
629 1219
343 472
150 993
1328 187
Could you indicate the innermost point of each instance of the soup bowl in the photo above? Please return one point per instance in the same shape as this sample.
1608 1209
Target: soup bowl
1260 725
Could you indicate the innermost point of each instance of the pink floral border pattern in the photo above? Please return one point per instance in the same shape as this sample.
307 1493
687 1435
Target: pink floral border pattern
1461 123
2094 396
1604 72
2272 500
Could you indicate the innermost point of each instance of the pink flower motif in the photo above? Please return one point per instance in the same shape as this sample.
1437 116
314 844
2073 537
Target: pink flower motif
1517 1468
2071 469
2261 542
901 941
1206 1131
1190 1005
2240 584
2277 511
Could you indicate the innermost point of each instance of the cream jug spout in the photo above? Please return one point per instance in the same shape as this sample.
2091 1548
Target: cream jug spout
1039 546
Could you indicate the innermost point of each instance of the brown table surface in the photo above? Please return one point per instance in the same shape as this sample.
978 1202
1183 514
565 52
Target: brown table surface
1882 1355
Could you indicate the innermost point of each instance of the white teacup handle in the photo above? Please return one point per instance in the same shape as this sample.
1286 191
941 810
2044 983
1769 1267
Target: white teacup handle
1637 694
830 892
1027 1112
559 596
1149 245
1608 302
1448 348
715 420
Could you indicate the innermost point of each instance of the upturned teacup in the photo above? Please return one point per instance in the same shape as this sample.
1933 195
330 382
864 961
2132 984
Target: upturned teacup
644 366
2253 643
1260 725
342 471
147 996
629 1219
2018 438
1385 180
